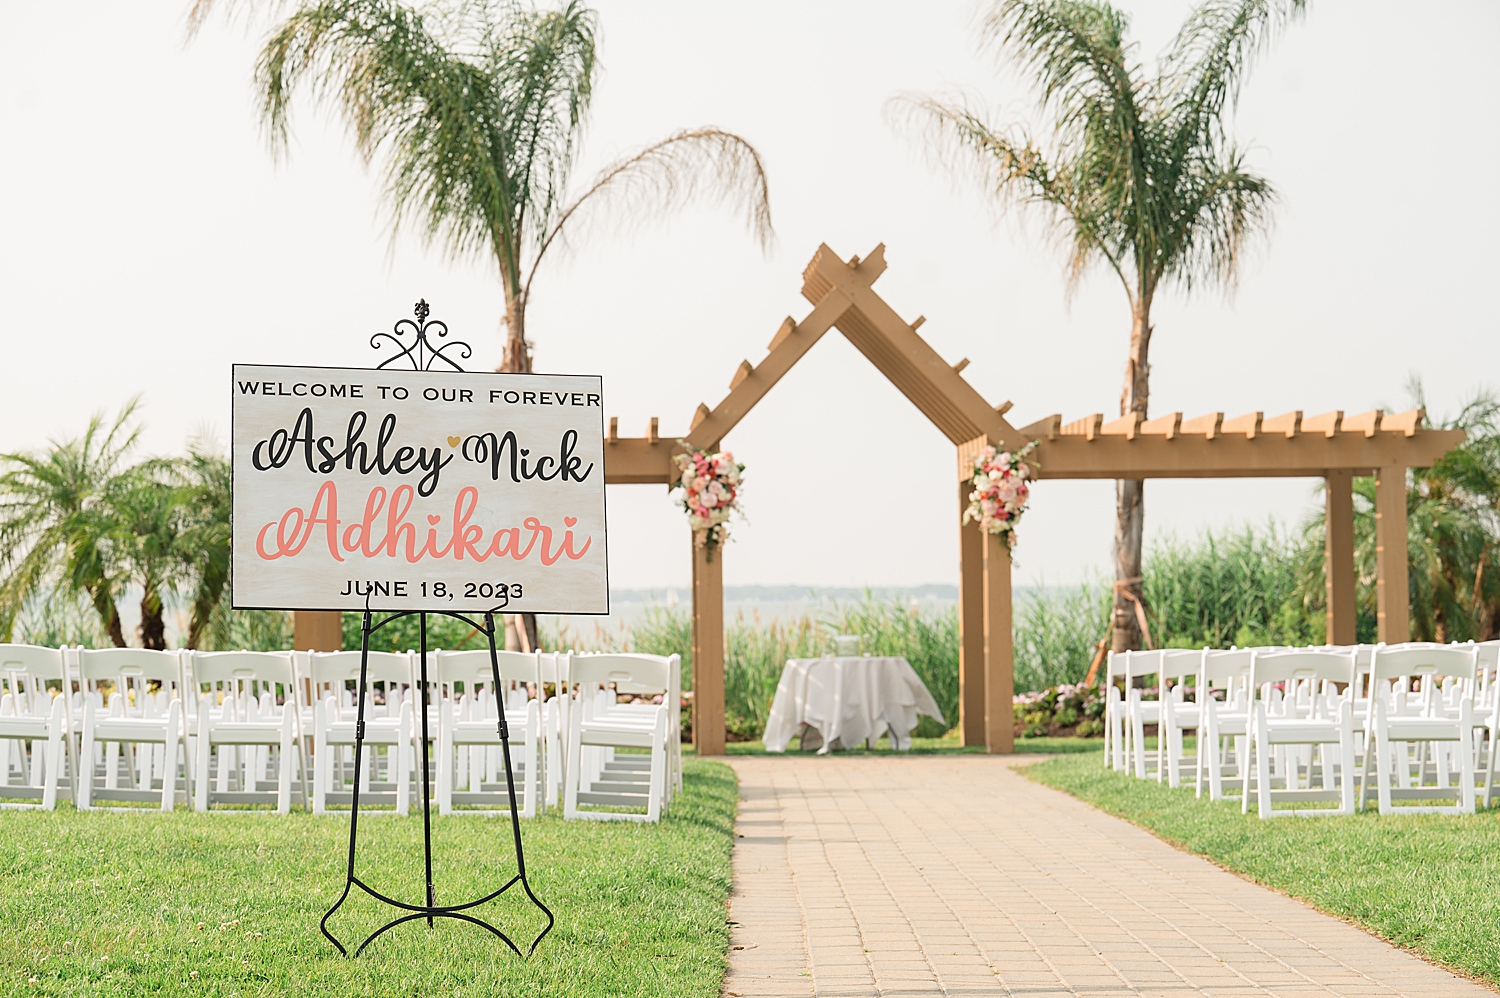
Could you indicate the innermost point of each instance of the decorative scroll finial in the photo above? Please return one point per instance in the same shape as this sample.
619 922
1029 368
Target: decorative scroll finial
421 351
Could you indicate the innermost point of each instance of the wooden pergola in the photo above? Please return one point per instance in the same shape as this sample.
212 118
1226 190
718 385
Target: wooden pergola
1331 446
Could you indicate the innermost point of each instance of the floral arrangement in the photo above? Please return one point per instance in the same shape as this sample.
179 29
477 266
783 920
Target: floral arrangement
1000 491
1071 708
710 486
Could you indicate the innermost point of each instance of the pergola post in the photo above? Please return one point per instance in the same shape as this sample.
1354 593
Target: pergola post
318 630
1392 594
1338 555
971 703
999 651
708 650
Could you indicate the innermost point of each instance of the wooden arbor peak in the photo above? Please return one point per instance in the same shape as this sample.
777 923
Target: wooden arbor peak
842 298
1332 446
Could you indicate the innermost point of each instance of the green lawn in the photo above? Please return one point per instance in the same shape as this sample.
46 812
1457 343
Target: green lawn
1425 882
103 904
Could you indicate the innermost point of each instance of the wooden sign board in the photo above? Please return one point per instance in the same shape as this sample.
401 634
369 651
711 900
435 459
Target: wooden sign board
415 490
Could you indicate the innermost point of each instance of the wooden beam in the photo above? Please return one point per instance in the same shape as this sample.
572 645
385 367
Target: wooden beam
708 650
1288 424
1338 556
652 432
971 702
740 374
907 360
614 429
1207 426
1073 454
958 368
1126 426
999 648
789 344
1367 423
1164 426
638 461
1406 423
317 630
1046 428
1392 595
1087 427
1326 423
1248 424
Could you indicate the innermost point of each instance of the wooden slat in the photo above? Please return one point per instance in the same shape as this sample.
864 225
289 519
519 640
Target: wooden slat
1287 424
1406 423
1163 426
1126 426
1248 424
1367 423
1087 427
1207 426
1046 428
1326 423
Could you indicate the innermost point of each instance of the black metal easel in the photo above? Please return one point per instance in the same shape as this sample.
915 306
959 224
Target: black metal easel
422 354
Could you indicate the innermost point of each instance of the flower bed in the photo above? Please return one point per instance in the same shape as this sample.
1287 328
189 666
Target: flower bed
1071 709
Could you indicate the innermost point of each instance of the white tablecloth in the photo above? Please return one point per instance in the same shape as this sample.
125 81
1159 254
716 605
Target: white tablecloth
841 702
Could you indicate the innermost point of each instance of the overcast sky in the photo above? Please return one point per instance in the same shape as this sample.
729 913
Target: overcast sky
149 241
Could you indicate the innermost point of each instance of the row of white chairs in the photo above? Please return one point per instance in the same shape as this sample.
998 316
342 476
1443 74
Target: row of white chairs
1414 722
128 725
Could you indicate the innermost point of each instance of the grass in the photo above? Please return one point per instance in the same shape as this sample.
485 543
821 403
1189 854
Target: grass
104 904
1424 882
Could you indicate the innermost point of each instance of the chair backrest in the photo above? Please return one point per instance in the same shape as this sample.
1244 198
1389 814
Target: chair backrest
334 668
1223 668
1487 655
1394 661
1287 666
33 660
1141 663
635 674
473 668
554 666
145 664
1114 666
1180 663
268 667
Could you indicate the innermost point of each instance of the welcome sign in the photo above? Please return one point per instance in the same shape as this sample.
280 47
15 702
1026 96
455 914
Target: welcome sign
415 490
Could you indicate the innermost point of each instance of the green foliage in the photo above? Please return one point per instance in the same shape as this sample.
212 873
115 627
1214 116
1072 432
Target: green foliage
475 111
1056 632
56 618
119 905
1240 587
404 634
1422 881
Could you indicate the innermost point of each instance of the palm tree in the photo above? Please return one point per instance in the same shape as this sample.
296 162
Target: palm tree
477 109
145 508
203 545
1139 173
56 525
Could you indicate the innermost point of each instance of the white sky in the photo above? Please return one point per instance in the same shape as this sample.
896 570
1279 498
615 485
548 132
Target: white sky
149 241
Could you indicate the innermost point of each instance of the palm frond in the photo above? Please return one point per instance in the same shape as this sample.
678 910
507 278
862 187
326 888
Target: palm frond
695 165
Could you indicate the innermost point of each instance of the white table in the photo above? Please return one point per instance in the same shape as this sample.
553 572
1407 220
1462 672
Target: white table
840 702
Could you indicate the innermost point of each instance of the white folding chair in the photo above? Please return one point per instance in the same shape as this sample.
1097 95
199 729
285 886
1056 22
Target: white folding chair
468 743
389 724
1178 714
644 712
628 780
1226 723
1140 712
34 725
141 727
249 708
1114 711
1442 732
555 714
1279 727
1487 707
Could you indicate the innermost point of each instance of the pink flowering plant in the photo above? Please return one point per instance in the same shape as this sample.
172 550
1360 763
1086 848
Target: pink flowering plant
710 493
1000 491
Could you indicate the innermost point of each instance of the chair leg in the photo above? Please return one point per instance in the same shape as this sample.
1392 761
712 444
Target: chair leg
1346 758
85 798
200 782
169 756
658 768
1466 755
403 757
445 751
285 763
1382 763
1262 763
54 753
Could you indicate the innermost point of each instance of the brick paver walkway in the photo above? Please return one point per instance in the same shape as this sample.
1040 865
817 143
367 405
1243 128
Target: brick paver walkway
944 875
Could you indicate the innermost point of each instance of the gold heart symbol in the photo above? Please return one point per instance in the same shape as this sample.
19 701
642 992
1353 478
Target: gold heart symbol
453 441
